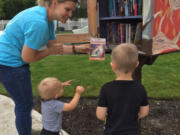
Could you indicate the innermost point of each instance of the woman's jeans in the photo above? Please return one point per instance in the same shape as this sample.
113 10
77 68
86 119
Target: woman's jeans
17 81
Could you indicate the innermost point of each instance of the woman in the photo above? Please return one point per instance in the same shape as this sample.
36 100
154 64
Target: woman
20 42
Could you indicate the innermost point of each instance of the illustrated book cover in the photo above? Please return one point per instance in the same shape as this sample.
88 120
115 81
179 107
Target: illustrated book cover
97 51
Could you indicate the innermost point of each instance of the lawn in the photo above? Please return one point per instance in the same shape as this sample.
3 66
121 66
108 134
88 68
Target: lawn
161 79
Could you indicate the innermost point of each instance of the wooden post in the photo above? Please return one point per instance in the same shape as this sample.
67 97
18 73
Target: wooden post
137 75
143 59
91 6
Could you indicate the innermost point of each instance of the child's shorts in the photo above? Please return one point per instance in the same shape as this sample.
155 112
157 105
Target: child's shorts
46 132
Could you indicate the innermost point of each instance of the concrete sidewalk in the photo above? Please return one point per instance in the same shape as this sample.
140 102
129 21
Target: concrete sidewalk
7 117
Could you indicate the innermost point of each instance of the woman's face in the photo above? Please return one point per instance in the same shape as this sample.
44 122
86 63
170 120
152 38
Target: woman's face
63 11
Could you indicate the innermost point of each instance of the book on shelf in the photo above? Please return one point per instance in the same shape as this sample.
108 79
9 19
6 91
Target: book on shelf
120 33
135 7
124 7
139 7
117 32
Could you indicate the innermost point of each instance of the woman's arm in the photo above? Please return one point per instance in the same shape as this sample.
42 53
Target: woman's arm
30 55
68 49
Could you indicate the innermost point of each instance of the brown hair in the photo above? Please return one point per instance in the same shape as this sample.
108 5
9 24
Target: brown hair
125 57
48 87
44 2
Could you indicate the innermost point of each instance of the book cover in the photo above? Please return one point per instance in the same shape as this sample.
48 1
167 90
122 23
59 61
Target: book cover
97 51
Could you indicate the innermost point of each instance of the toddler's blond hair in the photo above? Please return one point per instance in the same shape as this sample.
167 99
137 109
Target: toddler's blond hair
48 87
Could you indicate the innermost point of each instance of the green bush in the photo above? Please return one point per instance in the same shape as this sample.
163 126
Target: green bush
9 8
79 13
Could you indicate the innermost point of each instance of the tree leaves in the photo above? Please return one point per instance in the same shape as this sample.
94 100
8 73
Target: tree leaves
9 8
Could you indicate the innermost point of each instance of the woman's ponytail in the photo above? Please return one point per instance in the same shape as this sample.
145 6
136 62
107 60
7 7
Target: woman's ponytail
41 2
44 2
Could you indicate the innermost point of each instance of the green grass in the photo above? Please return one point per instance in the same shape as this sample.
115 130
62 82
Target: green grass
161 79
79 69
64 32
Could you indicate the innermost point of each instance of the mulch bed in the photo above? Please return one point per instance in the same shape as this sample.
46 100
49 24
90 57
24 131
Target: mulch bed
164 118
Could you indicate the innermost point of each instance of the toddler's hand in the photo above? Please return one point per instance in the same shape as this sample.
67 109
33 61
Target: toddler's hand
67 83
79 89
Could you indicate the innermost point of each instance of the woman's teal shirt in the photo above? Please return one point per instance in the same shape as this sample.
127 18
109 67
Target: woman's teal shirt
29 27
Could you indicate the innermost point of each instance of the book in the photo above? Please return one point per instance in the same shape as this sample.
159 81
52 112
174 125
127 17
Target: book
139 10
114 7
97 50
126 8
135 7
